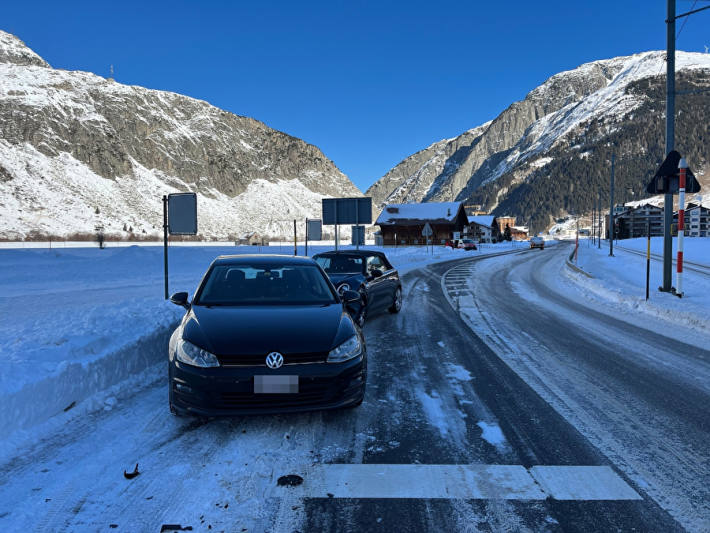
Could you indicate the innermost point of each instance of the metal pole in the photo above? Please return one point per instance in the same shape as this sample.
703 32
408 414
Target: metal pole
165 242
670 143
599 222
681 227
336 224
594 222
295 239
357 226
576 242
611 210
306 237
648 255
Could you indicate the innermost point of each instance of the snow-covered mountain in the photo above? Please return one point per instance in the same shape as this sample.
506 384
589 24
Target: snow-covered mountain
549 153
78 150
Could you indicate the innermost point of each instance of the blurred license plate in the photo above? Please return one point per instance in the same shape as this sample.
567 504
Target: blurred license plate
275 384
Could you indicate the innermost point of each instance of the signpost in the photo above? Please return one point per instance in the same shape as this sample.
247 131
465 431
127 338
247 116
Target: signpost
671 179
427 232
314 231
358 235
179 218
338 211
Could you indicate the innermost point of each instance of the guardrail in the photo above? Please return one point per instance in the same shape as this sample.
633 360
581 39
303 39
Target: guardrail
574 267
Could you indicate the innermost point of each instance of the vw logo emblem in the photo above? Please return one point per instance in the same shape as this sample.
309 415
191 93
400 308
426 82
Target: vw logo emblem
274 360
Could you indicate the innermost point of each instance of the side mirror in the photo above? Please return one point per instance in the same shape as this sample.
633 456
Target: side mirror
180 298
376 273
349 297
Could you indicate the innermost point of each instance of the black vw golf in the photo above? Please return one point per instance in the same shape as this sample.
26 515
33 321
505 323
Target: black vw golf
265 333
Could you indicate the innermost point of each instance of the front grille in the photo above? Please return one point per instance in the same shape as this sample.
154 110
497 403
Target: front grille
308 394
260 359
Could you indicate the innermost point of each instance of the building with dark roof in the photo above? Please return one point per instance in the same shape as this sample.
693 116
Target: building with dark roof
403 223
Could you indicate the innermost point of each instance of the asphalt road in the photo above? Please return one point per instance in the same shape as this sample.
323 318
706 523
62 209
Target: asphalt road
515 385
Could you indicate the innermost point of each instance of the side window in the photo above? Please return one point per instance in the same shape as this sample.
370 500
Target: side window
373 262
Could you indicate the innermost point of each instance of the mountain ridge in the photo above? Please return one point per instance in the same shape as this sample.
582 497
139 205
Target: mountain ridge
517 142
84 131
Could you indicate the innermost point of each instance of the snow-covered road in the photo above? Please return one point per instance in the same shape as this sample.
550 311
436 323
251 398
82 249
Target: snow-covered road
637 387
553 429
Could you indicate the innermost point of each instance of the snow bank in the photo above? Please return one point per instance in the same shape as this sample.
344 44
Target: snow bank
620 281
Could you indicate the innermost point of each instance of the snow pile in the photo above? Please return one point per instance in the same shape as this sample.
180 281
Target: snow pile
620 281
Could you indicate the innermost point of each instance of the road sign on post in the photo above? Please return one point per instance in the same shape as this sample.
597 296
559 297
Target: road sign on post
427 231
179 218
182 213
314 231
338 211
358 235
667 177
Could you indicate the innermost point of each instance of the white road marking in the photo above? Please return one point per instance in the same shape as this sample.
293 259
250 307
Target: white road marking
475 482
582 483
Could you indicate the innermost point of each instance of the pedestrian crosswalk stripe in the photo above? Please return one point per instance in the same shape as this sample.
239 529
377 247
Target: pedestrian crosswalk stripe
506 482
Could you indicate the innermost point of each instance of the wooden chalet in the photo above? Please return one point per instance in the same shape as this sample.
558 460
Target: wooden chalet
403 223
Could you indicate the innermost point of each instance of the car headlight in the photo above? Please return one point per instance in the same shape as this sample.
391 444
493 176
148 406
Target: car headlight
347 350
190 354
342 288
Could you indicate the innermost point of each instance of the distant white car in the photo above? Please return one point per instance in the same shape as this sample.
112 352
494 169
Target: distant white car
537 242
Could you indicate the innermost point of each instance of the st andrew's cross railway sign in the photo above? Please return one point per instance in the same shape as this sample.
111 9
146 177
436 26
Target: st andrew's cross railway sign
667 178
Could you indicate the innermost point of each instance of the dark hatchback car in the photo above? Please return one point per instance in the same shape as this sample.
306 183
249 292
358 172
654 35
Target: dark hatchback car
265 334
368 272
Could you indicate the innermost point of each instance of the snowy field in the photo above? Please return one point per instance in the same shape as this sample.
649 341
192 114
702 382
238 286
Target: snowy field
620 281
79 322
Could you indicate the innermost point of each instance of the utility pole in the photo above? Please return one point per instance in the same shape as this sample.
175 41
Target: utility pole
670 143
599 216
611 210
165 242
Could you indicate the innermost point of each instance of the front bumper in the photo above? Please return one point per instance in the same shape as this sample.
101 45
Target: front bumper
229 391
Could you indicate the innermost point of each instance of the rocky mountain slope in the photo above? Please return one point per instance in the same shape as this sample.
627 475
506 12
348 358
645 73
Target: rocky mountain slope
77 150
549 154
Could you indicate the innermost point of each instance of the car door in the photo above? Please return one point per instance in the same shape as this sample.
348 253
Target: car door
376 286
390 280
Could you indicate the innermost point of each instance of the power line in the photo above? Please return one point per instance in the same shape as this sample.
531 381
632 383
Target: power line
686 20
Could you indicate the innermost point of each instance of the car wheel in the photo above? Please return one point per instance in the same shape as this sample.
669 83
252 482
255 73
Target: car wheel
362 315
360 319
397 303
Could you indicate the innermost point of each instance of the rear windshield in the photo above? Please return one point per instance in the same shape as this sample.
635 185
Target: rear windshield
270 284
341 264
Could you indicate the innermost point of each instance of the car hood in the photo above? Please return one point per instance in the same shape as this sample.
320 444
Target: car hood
263 329
354 280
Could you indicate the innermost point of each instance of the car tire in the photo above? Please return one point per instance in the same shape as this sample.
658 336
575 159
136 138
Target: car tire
360 319
397 302
362 315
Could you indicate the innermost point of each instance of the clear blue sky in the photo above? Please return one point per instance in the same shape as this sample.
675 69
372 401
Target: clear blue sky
368 82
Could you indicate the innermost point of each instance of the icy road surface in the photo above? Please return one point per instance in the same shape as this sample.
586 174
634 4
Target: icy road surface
546 416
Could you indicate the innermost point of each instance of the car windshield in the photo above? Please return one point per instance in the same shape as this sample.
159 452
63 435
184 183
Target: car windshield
341 264
267 284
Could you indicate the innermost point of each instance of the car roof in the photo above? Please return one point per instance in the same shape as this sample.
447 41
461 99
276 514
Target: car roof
263 259
357 253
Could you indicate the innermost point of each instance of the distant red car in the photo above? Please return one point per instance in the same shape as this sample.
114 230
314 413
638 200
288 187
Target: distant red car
468 244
